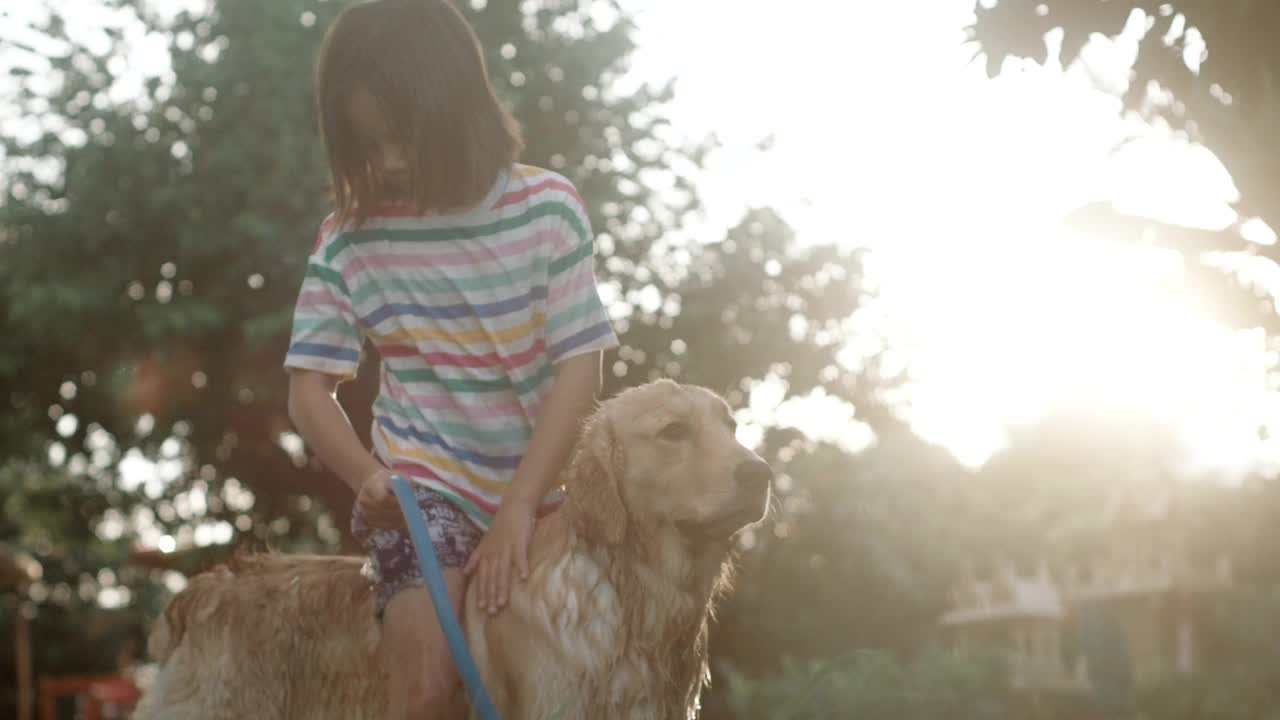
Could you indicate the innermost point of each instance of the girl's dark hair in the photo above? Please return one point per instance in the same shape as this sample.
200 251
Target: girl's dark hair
424 64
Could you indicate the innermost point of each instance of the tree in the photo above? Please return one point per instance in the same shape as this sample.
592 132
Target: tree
1206 69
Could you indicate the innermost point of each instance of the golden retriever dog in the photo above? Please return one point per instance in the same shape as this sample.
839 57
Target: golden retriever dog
611 622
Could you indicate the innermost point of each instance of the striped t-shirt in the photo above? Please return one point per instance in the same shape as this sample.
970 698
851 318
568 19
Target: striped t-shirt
469 312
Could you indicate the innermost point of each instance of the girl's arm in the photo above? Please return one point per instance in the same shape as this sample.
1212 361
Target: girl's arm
323 424
572 397
506 545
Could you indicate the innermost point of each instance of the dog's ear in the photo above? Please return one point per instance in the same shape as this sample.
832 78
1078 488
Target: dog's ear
592 484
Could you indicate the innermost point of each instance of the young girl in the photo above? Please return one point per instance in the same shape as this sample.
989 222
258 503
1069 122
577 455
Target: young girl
473 278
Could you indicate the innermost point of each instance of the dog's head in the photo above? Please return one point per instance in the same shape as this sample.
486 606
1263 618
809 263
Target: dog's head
665 455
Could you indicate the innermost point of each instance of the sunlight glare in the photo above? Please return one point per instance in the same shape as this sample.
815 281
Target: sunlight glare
882 137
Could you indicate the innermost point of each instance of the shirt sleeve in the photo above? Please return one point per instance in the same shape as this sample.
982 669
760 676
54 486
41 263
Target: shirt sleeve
577 321
326 336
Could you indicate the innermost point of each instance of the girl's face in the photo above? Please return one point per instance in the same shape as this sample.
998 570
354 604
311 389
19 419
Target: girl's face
383 147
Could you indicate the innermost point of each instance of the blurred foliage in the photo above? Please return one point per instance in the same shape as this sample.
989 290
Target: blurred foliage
1242 678
871 685
866 545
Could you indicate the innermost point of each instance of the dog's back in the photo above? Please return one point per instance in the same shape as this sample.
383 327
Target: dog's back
268 636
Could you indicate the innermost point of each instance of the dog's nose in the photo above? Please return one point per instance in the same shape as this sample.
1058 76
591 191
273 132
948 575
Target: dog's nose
753 473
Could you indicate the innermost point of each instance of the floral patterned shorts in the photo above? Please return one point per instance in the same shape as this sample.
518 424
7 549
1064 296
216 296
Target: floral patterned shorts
393 561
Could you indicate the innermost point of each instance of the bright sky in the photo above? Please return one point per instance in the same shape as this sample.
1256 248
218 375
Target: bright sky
887 139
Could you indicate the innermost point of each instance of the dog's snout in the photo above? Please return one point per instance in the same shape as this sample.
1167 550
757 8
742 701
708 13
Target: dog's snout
753 473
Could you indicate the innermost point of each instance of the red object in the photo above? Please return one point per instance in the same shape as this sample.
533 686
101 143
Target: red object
106 696
110 695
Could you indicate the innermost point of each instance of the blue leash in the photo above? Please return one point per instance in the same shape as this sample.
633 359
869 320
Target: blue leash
430 566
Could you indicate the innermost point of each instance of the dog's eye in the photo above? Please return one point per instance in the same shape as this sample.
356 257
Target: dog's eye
675 432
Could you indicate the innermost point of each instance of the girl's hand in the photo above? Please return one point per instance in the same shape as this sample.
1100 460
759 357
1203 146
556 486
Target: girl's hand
378 501
504 548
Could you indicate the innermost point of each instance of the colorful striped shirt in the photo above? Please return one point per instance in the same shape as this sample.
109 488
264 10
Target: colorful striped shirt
470 312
